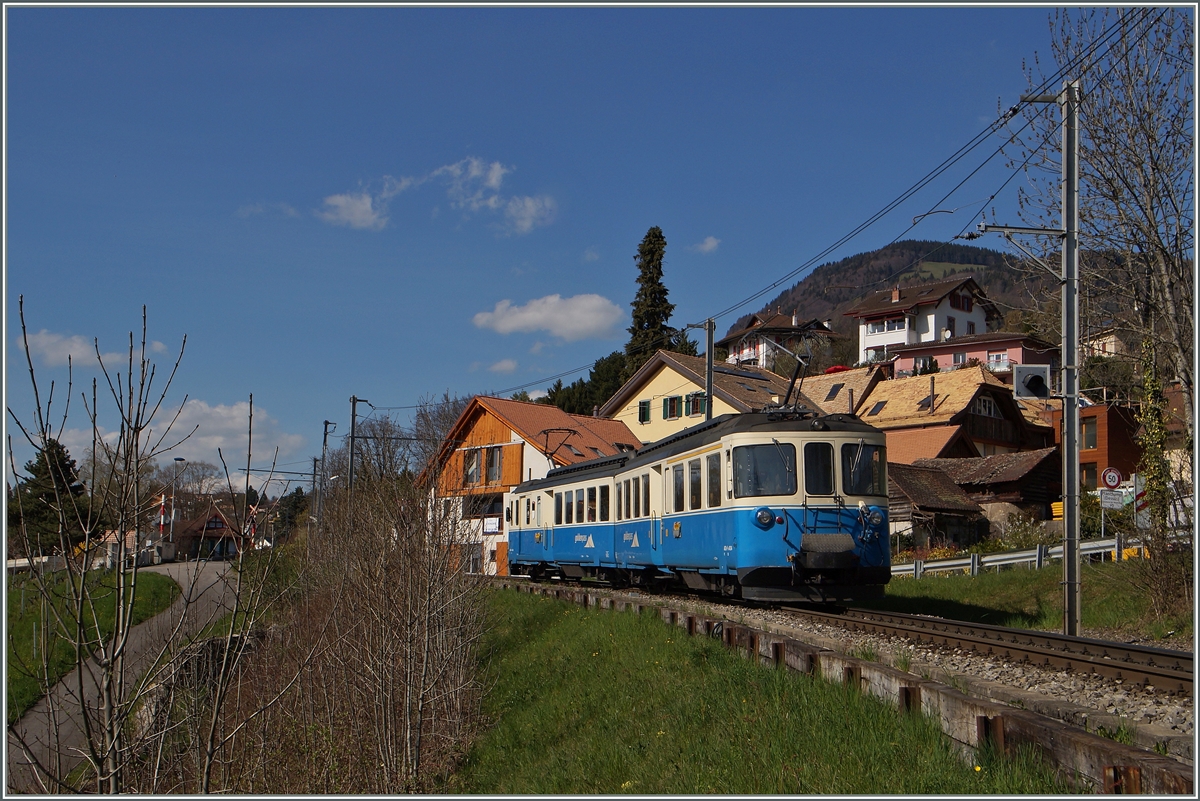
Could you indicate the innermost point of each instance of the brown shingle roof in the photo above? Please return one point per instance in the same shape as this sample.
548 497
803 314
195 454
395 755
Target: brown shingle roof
860 381
530 420
999 469
879 304
929 489
908 445
954 390
778 324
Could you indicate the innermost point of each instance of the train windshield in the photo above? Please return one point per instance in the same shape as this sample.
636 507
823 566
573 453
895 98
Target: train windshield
764 470
863 469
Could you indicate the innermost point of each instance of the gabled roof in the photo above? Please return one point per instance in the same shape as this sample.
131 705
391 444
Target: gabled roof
777 324
992 337
535 423
880 304
743 387
929 489
831 392
197 526
999 469
954 390
909 445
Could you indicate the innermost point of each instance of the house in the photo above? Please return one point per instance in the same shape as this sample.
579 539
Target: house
496 444
996 350
924 313
842 391
924 504
210 535
666 395
768 335
1024 482
1107 438
963 413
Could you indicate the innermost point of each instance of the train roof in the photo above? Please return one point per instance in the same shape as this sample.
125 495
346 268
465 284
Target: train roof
698 436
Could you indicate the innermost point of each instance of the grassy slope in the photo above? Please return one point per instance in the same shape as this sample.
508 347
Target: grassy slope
155 593
1033 599
593 701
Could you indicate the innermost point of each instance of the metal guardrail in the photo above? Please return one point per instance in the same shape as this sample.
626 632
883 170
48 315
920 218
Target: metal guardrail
973 563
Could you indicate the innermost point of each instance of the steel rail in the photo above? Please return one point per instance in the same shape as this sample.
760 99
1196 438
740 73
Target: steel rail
1162 668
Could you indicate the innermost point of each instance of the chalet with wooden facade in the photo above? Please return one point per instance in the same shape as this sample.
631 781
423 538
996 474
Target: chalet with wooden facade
211 535
1026 482
926 505
496 444
769 335
1107 438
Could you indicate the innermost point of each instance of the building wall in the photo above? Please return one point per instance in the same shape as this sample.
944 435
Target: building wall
1116 445
925 325
665 383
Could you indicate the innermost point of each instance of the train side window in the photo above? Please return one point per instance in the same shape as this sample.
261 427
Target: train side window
591 504
695 492
603 503
537 511
636 490
628 501
818 468
646 494
569 507
579 506
714 479
619 516
527 511
677 491
558 517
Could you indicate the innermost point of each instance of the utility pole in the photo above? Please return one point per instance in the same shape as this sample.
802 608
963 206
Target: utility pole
354 401
321 494
710 326
1068 101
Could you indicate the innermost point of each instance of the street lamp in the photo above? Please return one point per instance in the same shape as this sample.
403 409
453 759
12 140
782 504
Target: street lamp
174 481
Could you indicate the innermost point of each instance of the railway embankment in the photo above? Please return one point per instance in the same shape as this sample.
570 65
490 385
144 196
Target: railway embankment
980 702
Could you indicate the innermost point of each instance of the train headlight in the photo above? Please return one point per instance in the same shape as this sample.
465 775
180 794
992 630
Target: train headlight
876 517
764 517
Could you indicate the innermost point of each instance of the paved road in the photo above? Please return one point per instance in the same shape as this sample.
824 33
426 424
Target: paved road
206 596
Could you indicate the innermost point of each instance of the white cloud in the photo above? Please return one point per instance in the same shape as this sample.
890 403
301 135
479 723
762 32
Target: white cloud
474 184
591 254
526 213
357 210
53 350
574 318
709 244
504 366
538 393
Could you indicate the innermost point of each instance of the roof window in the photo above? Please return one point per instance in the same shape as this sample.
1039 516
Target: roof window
833 391
877 408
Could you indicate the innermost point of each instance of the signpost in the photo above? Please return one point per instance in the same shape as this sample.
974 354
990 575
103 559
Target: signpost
1111 499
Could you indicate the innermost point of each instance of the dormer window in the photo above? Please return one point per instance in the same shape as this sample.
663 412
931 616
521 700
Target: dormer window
985 406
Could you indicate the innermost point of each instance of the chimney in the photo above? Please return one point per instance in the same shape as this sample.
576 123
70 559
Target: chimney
595 411
895 294
795 317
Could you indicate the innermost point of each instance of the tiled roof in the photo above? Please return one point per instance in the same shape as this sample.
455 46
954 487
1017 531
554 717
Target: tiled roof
778 323
743 387
880 303
975 339
860 380
929 489
999 469
903 396
907 445
529 420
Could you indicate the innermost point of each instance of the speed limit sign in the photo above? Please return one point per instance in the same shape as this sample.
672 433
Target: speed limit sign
1111 477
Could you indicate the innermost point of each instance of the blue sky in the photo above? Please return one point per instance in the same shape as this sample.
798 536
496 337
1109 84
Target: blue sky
399 202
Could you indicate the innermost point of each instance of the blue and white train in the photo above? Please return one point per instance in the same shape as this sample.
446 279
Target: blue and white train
767 506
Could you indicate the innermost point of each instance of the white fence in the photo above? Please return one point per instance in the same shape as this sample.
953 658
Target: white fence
973 563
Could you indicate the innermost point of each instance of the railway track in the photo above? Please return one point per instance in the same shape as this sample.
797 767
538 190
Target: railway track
1162 668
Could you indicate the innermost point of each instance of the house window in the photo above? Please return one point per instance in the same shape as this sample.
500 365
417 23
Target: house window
924 363
970 328
672 407
471 467
695 403
985 405
493 465
997 356
876 409
950 325
875 327
968 303
896 325
960 358
644 411
1087 475
833 391
1087 438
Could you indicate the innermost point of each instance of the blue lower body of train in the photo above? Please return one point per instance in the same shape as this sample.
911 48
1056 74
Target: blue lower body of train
770 553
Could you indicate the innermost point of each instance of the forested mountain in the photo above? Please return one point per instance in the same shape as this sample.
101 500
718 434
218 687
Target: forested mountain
829 290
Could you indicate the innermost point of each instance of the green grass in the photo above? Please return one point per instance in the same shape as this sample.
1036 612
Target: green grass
24 682
1033 599
595 701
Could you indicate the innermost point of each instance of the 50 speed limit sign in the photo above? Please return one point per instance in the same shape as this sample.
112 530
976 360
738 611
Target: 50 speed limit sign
1111 477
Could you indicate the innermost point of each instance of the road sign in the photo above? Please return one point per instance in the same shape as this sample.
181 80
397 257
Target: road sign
1111 499
1111 477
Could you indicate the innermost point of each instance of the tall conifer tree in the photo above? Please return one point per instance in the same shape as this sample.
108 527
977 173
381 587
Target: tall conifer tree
651 309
